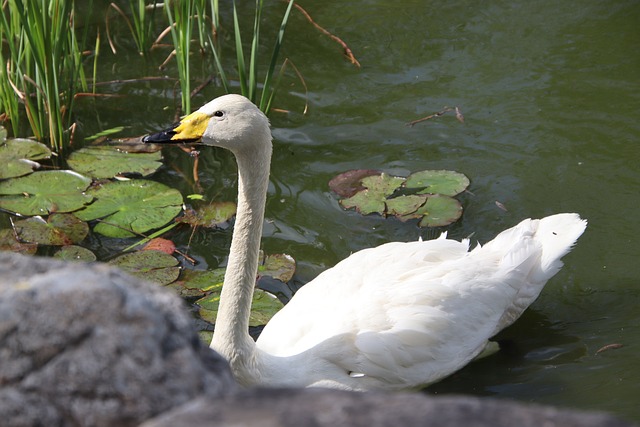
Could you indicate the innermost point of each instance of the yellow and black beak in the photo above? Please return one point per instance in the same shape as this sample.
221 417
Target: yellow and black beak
190 129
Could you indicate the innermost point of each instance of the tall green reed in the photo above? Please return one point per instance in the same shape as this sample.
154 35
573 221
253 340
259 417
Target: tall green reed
140 24
248 75
261 92
43 67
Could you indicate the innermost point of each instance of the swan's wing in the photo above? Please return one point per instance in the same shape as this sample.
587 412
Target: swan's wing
402 312
407 314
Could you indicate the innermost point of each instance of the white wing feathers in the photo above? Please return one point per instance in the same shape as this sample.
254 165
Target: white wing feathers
412 313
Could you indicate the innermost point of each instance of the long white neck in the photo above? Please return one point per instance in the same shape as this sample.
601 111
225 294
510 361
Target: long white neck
231 337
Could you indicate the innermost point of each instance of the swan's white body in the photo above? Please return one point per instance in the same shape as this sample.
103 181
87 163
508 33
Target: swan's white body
398 316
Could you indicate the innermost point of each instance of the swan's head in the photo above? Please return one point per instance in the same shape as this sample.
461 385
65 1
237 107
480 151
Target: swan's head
230 121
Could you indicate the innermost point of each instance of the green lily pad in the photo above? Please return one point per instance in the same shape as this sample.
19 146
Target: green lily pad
263 307
17 156
75 253
279 266
155 266
57 230
129 207
406 206
44 192
439 211
107 162
212 215
448 183
373 197
350 182
9 243
197 283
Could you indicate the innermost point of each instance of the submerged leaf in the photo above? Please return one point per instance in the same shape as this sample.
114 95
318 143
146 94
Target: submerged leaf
129 207
444 182
155 266
44 192
17 157
107 162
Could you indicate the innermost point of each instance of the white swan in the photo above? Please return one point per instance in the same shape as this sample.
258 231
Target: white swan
398 316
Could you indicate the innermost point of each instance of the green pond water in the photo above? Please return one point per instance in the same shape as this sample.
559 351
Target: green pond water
550 93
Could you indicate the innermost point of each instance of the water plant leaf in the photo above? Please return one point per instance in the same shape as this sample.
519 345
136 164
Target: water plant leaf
279 266
75 253
160 244
107 162
406 206
44 192
373 197
17 157
263 306
444 182
205 281
129 207
9 243
212 215
349 183
439 211
57 230
155 266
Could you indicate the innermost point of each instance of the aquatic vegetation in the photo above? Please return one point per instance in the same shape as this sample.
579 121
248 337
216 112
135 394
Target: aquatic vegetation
430 197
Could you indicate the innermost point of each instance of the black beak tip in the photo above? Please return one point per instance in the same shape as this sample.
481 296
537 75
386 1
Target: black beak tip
159 137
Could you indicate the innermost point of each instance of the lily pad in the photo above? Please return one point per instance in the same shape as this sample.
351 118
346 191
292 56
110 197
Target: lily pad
350 182
212 215
197 283
439 211
107 162
129 207
279 266
155 266
57 230
9 243
75 253
44 192
448 183
263 306
17 157
373 197
406 206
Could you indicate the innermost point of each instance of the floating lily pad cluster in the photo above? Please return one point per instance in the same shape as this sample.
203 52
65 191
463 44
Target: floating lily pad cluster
427 195
59 208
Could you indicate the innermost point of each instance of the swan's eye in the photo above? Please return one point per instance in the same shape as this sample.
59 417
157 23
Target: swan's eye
218 114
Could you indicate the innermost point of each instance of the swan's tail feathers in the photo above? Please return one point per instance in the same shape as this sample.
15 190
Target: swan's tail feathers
537 257
558 234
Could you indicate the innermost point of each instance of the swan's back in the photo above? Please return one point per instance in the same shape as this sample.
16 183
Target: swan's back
404 315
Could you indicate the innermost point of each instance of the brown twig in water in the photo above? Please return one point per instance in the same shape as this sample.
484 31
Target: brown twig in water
347 51
430 116
441 113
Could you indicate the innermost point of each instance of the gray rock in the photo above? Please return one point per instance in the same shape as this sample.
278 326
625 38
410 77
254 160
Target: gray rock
333 408
88 345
